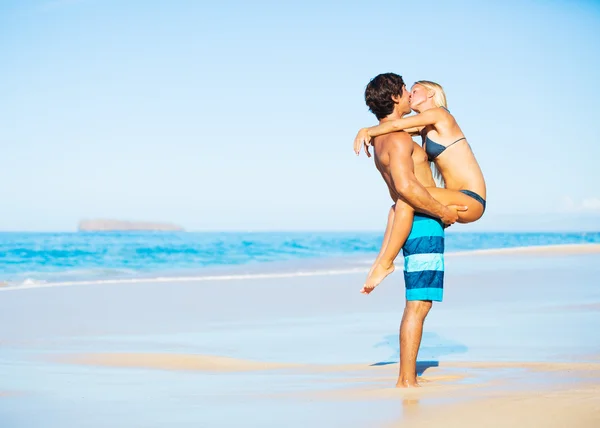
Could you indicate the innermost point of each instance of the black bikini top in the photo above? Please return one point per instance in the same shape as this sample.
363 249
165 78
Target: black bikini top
434 149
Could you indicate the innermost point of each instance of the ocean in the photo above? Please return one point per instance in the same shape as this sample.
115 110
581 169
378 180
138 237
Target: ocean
46 258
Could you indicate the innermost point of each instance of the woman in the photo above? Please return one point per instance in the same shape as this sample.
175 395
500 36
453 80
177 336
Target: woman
447 147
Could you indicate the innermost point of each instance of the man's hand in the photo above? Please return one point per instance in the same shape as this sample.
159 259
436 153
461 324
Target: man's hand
362 138
450 214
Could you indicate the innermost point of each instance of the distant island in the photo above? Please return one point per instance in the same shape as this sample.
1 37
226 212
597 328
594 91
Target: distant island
120 225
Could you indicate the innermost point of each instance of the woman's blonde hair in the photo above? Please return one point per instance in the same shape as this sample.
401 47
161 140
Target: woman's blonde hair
439 96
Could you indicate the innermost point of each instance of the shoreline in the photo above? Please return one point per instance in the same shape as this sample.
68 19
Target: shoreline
533 249
541 250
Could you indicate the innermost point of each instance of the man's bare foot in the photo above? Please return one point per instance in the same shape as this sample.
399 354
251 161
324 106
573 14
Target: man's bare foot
376 275
405 383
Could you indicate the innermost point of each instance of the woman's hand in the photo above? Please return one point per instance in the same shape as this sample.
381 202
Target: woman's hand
362 138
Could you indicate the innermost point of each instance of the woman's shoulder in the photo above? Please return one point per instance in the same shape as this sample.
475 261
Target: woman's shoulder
437 112
437 116
444 110
444 114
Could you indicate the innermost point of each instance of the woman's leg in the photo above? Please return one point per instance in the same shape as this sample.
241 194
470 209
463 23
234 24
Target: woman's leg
404 215
386 236
454 197
384 264
384 243
402 225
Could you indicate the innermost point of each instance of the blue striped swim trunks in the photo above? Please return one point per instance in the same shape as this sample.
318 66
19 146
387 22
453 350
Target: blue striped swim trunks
424 260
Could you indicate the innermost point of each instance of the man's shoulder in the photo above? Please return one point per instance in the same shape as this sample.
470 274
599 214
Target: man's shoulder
396 139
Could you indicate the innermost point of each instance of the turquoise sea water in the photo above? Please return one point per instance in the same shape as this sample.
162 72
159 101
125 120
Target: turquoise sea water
51 257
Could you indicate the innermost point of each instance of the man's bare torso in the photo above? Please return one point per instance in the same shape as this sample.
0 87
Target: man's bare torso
422 171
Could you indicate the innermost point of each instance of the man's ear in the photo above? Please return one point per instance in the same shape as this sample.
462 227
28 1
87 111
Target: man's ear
396 98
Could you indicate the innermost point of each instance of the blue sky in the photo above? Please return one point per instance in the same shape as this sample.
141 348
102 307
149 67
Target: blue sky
238 115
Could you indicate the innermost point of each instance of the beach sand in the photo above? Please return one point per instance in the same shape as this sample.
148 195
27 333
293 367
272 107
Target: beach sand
515 343
205 363
574 407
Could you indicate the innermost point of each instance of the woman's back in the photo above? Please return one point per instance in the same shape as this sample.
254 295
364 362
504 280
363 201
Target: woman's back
446 145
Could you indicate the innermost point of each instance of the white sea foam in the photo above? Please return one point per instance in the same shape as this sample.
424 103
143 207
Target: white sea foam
32 283
29 284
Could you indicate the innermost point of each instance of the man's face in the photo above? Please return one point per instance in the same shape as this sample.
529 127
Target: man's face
404 102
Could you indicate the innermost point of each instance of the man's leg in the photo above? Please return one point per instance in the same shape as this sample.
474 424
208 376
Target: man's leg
411 332
424 281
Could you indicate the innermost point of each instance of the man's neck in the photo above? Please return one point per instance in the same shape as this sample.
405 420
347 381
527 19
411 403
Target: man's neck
394 116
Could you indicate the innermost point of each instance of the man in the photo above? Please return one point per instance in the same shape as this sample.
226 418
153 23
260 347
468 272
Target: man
404 167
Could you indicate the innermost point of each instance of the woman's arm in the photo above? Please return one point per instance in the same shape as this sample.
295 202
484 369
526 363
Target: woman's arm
414 131
428 117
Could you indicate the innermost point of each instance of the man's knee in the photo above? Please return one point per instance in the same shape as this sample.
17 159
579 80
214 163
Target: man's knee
418 308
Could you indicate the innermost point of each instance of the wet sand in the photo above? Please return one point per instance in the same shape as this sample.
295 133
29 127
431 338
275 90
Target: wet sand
569 394
572 407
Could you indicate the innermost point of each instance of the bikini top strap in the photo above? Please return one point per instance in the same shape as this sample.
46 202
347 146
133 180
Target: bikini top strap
460 139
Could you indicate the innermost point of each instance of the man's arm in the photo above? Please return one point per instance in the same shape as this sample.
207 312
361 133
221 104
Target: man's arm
408 187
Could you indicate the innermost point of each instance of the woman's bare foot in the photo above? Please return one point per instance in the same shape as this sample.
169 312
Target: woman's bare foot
377 274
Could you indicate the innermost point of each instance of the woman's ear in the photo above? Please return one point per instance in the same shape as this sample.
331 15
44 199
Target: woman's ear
430 94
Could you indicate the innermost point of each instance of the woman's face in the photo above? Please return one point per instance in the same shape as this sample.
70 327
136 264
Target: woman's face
418 95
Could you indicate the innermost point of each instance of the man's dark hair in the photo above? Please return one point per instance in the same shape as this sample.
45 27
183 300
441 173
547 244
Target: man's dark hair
379 92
